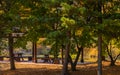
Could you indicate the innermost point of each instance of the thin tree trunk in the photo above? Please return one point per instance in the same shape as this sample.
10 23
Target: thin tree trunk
65 65
73 64
79 50
82 56
103 58
34 52
78 54
12 63
112 63
73 68
62 54
99 39
99 55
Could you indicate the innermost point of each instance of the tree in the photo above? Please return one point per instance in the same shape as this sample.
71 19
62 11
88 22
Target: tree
112 48
7 20
10 18
82 39
99 38
111 26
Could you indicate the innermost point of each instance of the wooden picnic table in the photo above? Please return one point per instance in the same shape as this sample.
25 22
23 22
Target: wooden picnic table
47 59
18 56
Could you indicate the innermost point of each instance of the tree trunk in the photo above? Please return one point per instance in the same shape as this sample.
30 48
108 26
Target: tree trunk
99 55
82 56
103 58
34 54
56 59
99 38
112 63
12 63
62 54
65 65
73 67
73 64
32 51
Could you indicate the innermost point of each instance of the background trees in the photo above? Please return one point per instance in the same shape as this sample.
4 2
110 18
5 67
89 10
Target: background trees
72 25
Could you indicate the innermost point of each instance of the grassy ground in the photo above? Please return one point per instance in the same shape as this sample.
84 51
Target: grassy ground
55 69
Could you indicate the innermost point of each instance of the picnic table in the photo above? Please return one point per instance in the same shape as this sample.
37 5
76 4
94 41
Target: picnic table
47 59
18 56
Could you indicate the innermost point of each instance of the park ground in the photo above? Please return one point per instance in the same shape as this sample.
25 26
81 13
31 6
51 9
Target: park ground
55 69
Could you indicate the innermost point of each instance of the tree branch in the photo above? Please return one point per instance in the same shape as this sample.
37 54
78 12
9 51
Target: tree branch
117 56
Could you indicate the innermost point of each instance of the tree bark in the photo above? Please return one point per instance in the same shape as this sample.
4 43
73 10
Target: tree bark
11 54
82 56
99 55
65 65
112 63
103 58
99 38
73 67
73 64
32 51
62 54
34 54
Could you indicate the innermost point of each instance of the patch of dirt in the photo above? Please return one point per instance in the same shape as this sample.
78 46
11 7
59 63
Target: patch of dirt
55 69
